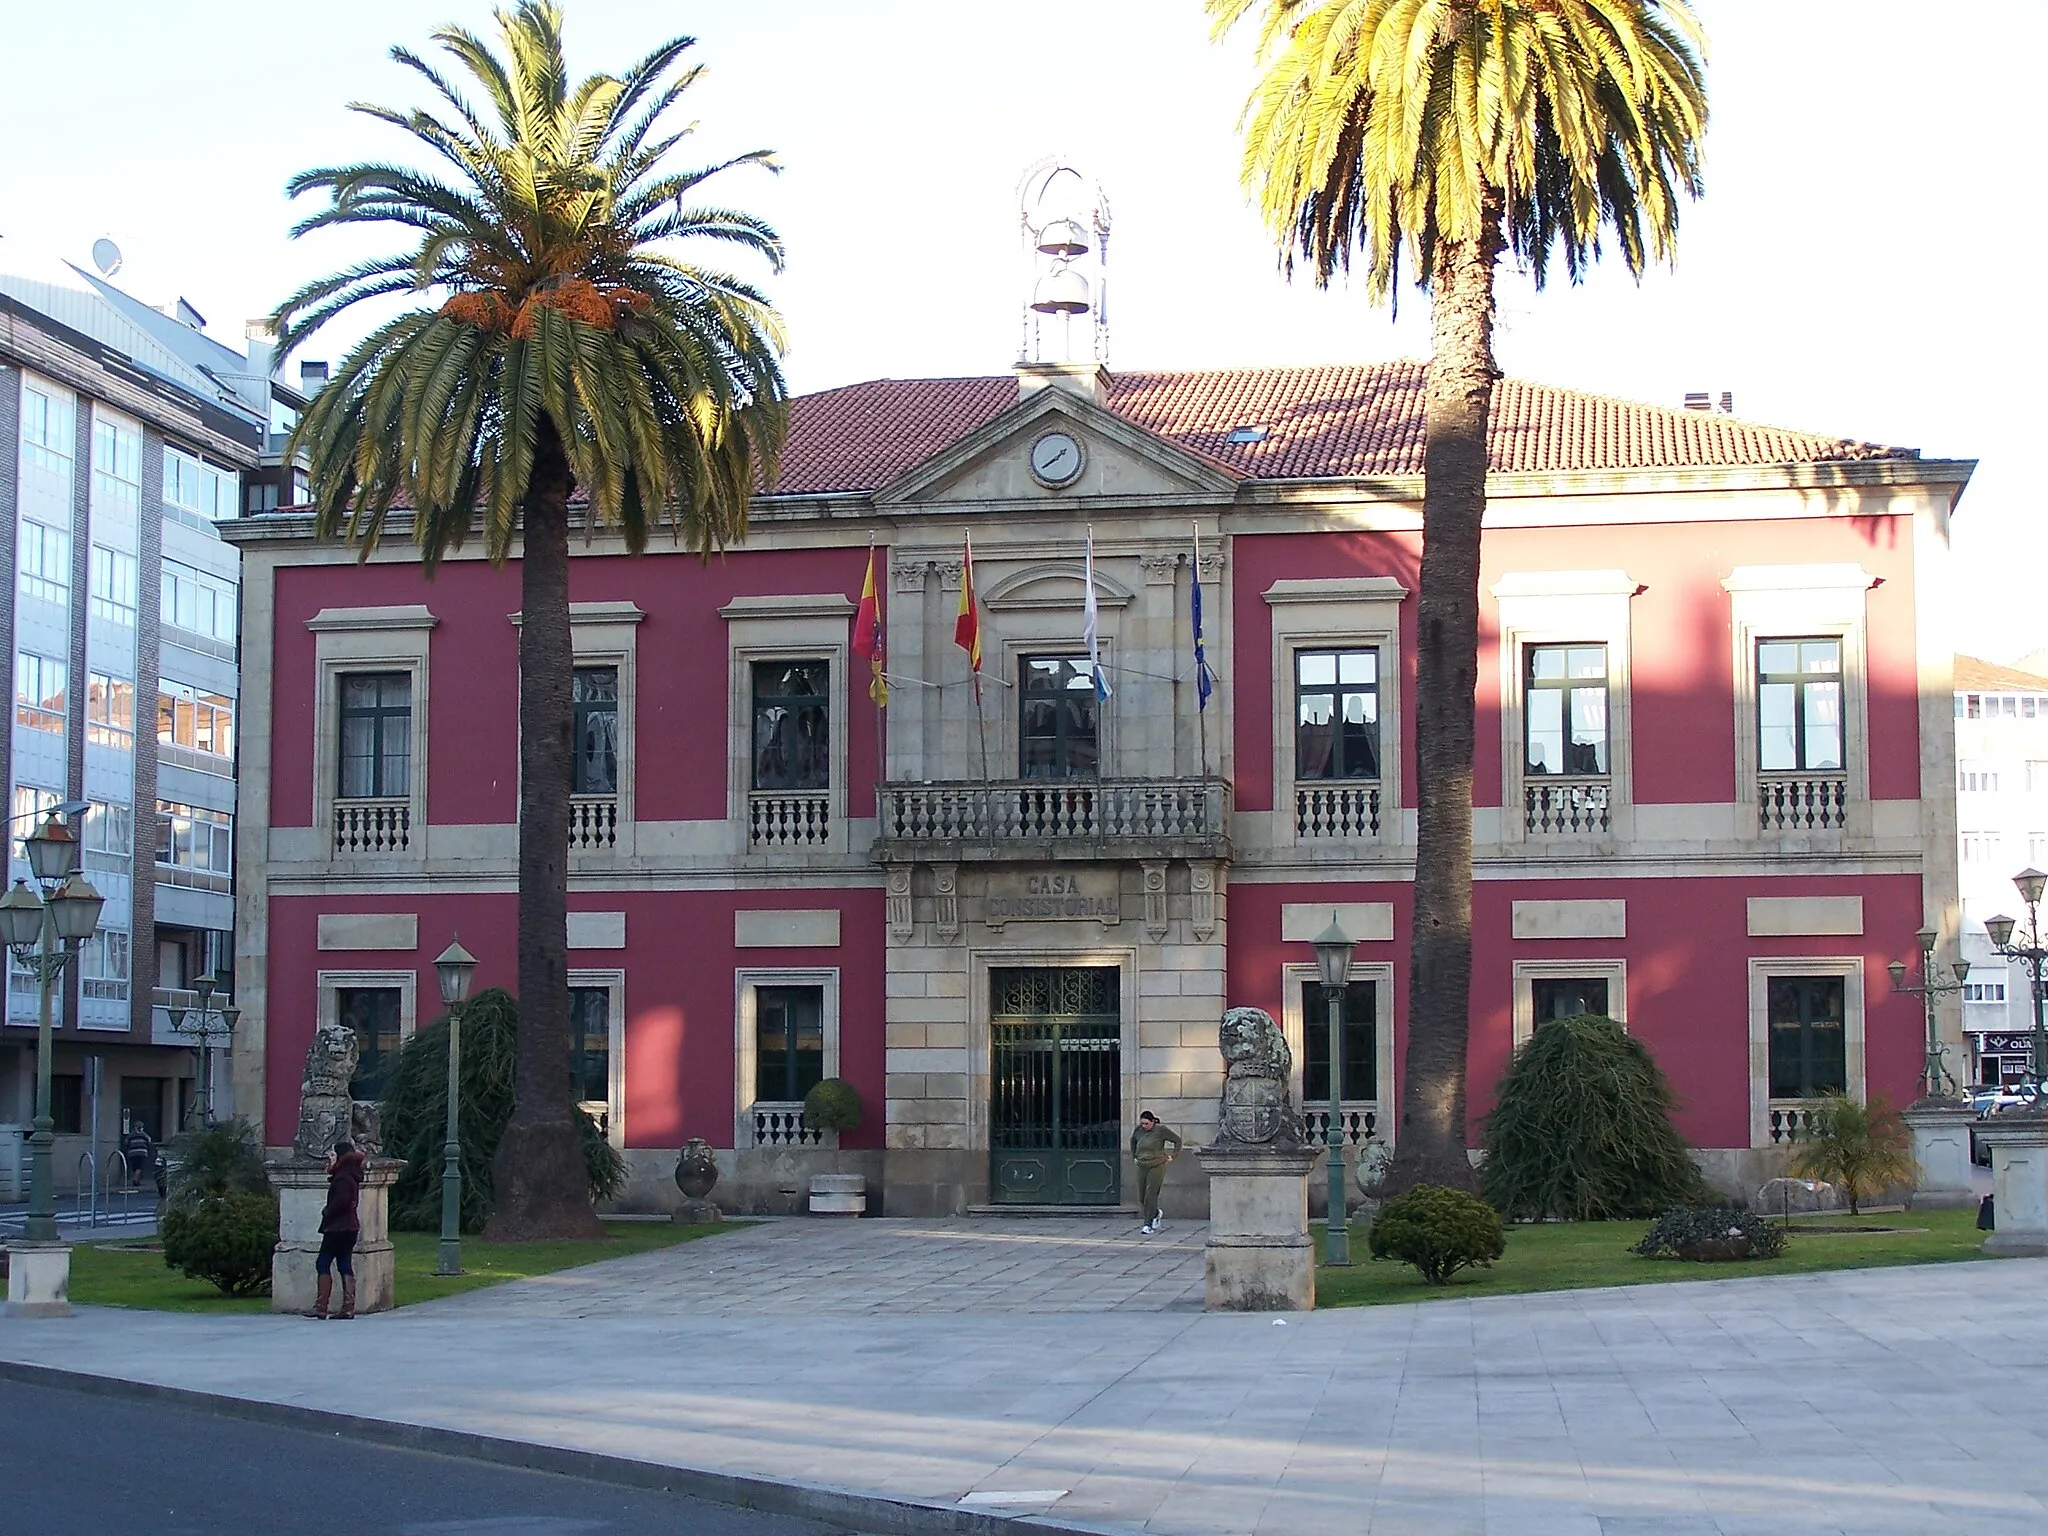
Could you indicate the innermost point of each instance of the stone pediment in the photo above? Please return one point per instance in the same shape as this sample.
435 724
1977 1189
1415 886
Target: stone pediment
1120 461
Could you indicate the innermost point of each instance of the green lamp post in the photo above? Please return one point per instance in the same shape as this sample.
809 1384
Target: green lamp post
1333 964
453 968
2034 957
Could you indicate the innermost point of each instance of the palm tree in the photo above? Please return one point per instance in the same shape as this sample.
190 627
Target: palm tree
572 349
1452 131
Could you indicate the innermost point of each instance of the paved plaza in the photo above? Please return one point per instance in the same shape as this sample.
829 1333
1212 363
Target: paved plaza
1060 1359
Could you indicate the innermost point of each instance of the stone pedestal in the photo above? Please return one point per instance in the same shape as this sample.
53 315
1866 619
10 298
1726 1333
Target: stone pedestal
2019 1182
1941 1145
301 1186
1259 1258
839 1194
38 1279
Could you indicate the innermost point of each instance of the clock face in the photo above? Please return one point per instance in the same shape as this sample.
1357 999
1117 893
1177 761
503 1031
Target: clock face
1056 459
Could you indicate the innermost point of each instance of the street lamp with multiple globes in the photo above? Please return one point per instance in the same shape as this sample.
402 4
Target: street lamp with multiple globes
2031 883
1333 964
44 929
1936 1081
204 1023
453 968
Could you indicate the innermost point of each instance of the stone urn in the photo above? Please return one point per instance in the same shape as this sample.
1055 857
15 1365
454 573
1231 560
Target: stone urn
696 1173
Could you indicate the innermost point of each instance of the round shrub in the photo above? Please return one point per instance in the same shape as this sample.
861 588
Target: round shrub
1582 1130
833 1105
217 1160
1706 1233
1440 1231
223 1239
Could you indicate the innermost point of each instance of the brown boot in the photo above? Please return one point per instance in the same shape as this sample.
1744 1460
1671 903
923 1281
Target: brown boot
323 1291
348 1298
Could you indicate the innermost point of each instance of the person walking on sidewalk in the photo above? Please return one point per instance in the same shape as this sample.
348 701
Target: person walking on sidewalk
339 1225
1153 1146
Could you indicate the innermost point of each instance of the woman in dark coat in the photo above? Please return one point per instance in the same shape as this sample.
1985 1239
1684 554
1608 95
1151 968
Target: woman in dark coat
339 1225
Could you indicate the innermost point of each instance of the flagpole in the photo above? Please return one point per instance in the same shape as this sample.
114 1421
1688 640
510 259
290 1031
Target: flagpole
880 698
1201 710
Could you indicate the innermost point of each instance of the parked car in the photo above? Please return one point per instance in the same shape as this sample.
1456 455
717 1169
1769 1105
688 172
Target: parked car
1988 1101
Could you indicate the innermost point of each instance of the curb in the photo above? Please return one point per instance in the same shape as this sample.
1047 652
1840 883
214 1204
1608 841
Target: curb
868 1513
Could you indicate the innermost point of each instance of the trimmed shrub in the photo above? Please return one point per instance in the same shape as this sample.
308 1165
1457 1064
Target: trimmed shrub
219 1160
1859 1148
224 1239
1710 1232
1582 1130
414 1114
833 1105
1440 1231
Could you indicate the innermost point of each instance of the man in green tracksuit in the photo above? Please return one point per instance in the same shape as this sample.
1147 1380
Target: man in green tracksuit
1153 1146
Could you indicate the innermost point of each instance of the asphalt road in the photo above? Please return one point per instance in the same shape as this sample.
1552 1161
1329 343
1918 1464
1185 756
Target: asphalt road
79 1464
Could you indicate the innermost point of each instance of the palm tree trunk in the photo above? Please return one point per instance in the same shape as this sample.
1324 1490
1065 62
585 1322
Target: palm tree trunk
1430 1138
539 1186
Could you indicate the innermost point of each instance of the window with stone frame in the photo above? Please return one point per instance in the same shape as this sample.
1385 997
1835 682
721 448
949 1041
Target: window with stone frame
1361 1044
1058 719
1565 997
789 1042
792 735
1337 714
375 1015
590 1046
375 761
595 694
1807 1022
1799 705
1564 710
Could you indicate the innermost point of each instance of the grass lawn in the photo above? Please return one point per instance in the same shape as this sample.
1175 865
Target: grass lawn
1563 1256
104 1275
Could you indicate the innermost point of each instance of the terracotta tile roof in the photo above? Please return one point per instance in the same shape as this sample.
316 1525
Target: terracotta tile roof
1976 676
1362 420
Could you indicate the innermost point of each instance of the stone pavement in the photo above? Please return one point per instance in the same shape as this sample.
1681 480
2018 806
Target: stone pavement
1879 1402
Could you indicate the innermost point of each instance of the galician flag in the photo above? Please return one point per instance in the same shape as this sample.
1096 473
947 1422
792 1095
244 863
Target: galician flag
1205 684
967 623
1090 620
867 634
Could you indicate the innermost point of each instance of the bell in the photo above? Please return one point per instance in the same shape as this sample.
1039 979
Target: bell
1063 292
1063 237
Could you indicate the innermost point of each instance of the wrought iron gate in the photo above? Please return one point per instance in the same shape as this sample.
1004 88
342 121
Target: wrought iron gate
1055 1087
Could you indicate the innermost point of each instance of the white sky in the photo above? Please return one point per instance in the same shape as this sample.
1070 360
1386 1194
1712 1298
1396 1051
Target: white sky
1831 277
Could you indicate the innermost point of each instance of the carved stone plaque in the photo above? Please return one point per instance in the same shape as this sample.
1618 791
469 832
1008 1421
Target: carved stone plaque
1053 894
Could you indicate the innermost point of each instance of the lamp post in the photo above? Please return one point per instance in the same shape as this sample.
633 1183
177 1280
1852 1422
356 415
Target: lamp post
453 968
44 929
2031 883
1936 1081
205 1022
1333 963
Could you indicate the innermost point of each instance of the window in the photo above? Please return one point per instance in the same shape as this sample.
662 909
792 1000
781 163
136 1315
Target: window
1058 728
1799 705
198 488
47 430
2037 848
109 834
103 963
114 585
1361 1045
40 684
1983 991
596 694
373 1013
30 805
199 602
67 1103
110 712
590 1045
1976 778
1564 997
2037 776
376 735
792 725
45 562
195 838
198 721
789 1048
1807 1018
263 498
1564 707
1337 714
116 464
1979 847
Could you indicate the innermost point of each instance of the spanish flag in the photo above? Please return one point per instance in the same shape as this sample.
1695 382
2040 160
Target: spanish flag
967 623
867 635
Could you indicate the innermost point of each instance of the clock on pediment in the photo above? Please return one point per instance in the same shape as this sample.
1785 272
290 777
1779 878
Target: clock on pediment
1056 459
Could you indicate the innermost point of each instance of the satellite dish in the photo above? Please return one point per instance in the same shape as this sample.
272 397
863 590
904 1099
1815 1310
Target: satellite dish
106 256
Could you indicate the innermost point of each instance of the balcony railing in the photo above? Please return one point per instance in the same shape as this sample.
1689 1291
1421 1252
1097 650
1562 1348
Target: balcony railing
782 1125
593 823
1184 816
366 828
1356 1123
1564 807
1802 802
788 818
1336 811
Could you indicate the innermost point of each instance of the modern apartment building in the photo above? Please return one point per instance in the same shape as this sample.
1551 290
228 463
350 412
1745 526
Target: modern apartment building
127 436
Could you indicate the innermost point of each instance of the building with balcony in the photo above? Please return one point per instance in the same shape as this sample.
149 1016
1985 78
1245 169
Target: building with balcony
127 435
1711 798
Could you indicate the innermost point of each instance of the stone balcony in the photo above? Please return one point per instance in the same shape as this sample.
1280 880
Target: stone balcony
1036 819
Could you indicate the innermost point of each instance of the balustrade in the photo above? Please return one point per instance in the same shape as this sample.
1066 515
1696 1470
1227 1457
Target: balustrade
782 1125
788 819
1793 1122
372 827
1339 811
1555 806
1056 811
1802 802
593 823
1355 1124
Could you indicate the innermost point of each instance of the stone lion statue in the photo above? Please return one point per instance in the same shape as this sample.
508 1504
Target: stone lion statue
326 1112
1257 1108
